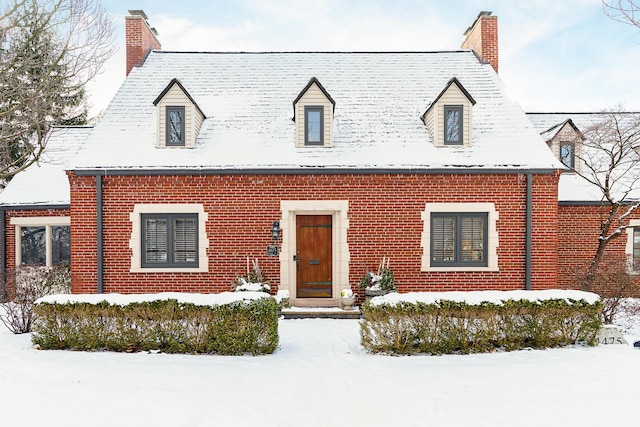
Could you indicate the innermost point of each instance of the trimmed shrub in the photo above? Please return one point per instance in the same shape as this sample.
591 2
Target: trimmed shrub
164 325
447 327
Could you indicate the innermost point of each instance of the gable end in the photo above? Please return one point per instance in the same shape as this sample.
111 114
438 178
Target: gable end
453 101
313 108
175 99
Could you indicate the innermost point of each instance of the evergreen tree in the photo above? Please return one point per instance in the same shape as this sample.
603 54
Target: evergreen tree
49 49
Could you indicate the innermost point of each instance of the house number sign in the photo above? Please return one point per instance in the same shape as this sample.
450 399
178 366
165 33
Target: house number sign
272 250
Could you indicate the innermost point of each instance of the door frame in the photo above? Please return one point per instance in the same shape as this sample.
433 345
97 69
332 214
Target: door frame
338 209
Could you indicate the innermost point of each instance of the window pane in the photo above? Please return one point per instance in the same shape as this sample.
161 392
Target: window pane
313 126
155 240
175 126
567 154
60 245
452 120
184 240
443 234
472 247
33 245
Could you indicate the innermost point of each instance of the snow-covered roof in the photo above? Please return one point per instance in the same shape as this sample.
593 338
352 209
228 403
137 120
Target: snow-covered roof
45 182
379 99
572 187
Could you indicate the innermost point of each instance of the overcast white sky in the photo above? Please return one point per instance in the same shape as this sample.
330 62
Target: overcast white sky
555 55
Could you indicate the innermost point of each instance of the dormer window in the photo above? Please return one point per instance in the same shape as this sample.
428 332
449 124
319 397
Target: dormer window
313 114
175 126
313 125
453 124
565 141
448 117
179 117
568 154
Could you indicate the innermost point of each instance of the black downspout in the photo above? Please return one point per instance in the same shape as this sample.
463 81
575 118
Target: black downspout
528 232
99 248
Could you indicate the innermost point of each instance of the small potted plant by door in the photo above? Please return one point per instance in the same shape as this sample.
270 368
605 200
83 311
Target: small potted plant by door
380 282
253 281
347 299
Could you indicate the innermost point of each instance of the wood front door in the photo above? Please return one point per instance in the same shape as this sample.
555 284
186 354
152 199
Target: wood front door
313 256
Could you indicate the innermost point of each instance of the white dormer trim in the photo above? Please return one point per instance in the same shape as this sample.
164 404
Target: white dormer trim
454 97
313 103
177 99
565 133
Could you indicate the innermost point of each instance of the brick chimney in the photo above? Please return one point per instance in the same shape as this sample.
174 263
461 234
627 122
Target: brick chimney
482 38
140 38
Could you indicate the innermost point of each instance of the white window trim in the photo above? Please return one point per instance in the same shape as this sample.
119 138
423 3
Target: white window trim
492 236
628 250
38 221
136 228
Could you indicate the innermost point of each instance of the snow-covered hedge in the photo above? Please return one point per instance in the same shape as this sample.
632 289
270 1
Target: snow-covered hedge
472 322
227 323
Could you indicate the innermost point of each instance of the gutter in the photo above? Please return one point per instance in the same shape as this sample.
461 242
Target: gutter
528 232
310 171
35 207
99 232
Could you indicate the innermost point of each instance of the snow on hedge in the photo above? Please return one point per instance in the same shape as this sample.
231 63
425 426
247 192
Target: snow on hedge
471 297
477 297
182 297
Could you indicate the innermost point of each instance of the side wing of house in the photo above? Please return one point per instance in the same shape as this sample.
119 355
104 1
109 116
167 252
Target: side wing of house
35 221
581 205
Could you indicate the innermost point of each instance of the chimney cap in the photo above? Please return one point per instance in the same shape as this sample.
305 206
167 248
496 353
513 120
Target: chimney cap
480 15
138 12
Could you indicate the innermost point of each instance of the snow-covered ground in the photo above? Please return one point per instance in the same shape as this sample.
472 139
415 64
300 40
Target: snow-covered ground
320 376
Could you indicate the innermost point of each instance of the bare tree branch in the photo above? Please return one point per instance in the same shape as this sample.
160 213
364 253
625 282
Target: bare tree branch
609 160
49 50
625 11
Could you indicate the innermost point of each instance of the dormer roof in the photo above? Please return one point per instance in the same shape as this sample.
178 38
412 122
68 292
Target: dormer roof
553 131
312 81
175 81
452 81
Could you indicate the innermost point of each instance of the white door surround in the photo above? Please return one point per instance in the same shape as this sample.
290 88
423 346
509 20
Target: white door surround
338 209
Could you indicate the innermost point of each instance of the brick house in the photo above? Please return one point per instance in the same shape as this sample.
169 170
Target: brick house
420 157
580 205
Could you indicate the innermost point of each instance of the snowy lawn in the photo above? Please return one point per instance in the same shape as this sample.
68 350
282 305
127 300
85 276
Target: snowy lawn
320 376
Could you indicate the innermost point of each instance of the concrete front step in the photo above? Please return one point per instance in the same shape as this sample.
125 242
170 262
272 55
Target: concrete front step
320 312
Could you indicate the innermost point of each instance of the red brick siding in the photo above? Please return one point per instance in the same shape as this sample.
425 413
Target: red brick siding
483 40
83 234
11 229
578 231
384 217
139 41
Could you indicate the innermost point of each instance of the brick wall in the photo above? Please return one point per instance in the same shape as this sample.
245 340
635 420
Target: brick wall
578 231
482 38
139 41
384 220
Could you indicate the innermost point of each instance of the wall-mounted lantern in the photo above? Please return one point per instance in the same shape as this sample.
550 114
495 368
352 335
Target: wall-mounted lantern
275 230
